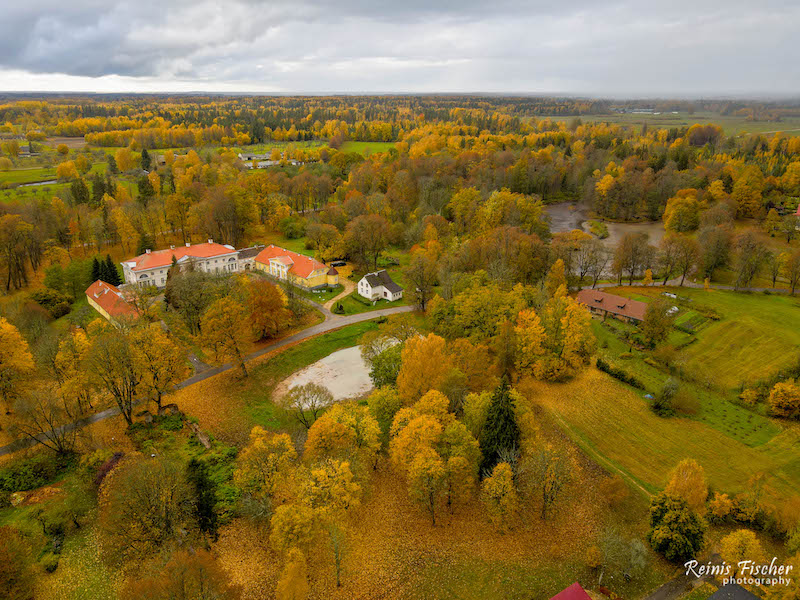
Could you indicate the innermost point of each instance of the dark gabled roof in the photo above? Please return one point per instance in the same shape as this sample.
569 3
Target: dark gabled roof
252 252
382 278
732 591
332 271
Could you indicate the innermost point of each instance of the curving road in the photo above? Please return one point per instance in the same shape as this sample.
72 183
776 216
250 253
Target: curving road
330 323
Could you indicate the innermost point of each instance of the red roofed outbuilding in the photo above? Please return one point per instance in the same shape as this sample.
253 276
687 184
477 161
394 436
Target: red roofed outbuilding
602 303
573 592
109 301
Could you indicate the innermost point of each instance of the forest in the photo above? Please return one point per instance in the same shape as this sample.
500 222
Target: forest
511 441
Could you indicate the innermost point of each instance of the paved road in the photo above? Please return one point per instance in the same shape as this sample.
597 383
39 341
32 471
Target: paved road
331 322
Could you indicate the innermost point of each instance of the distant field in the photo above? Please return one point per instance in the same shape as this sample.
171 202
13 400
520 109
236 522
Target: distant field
615 426
366 147
731 125
756 335
27 175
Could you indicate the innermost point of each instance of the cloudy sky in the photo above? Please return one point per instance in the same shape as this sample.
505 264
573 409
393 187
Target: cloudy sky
591 47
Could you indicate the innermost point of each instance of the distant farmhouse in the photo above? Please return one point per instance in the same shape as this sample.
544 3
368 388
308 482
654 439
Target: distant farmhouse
109 301
601 303
262 161
379 285
298 269
151 267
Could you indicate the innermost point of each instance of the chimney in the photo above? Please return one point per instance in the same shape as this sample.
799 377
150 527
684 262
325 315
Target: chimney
172 247
188 244
147 251
210 241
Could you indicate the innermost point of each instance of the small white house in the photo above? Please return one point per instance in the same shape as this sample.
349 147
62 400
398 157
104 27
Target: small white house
379 285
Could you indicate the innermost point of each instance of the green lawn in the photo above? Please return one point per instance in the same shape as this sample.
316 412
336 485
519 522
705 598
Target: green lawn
18 176
323 295
366 147
353 306
257 390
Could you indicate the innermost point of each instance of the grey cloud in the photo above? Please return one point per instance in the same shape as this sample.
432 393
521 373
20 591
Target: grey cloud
621 47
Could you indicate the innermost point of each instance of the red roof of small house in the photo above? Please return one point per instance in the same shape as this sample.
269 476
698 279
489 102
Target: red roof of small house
573 592
302 266
163 258
110 299
797 212
616 305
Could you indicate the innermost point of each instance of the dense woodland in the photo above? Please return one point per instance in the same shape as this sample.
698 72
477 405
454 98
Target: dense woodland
454 199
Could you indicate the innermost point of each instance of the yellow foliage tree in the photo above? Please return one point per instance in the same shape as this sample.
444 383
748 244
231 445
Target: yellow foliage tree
688 481
293 582
499 496
426 364
224 330
265 464
16 360
741 545
293 526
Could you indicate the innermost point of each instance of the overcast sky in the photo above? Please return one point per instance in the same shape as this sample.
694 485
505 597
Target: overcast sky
645 48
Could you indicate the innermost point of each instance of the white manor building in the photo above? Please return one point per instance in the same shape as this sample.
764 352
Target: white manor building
151 267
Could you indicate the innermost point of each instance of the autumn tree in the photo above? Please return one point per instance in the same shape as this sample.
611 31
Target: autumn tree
632 255
556 278
43 416
367 236
688 481
293 581
16 361
739 546
675 531
499 496
426 365
384 402
784 399
421 275
267 308
225 331
17 574
293 526
145 506
264 466
546 473
657 321
114 364
195 575
426 477
306 401
161 361
791 270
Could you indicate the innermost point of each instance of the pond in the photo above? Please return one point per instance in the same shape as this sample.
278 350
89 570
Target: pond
565 216
344 373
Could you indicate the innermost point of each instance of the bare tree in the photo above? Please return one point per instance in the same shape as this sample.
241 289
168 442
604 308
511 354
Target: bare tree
46 418
307 401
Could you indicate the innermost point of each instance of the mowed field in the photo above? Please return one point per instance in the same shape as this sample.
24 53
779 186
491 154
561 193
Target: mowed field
615 426
732 125
756 335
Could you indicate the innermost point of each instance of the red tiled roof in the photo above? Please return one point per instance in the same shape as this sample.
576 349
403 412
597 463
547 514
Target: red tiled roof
573 592
110 299
333 271
302 266
163 258
616 305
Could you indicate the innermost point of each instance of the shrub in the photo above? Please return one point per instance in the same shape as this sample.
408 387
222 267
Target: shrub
663 405
53 301
619 374
31 473
49 562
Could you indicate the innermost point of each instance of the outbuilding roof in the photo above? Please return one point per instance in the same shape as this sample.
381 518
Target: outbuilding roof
573 592
382 278
110 299
616 305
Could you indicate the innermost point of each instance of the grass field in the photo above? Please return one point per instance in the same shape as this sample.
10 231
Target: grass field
732 125
18 176
366 147
614 425
756 335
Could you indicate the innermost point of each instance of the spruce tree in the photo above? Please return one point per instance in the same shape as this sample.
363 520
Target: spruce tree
146 162
501 432
95 269
113 274
205 496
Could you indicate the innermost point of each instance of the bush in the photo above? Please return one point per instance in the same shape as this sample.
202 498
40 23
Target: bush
31 473
54 302
619 374
599 229
663 405
626 356
292 227
49 562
